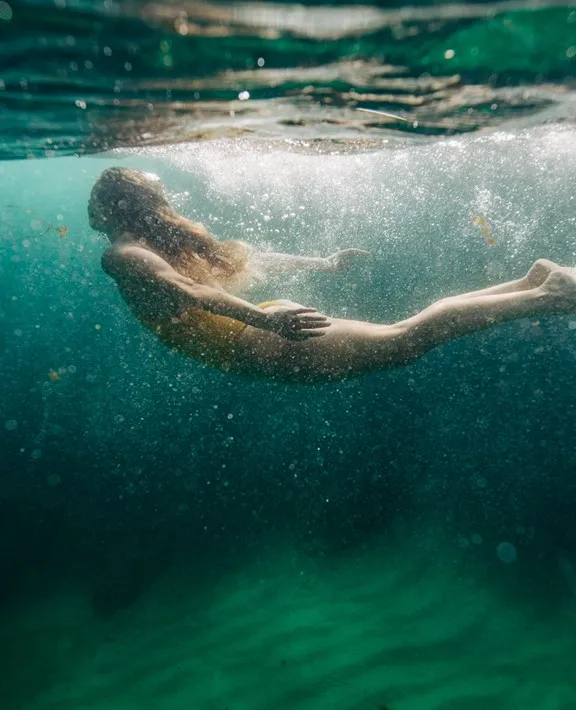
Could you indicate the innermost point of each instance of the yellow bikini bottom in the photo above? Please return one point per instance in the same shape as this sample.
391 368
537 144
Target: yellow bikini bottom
233 328
205 335
223 327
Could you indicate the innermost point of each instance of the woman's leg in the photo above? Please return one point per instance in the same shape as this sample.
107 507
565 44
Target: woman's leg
537 274
352 348
454 317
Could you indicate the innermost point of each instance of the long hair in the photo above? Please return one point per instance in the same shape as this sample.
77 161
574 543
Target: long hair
130 201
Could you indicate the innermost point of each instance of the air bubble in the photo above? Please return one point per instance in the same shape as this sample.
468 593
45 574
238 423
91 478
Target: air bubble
5 11
507 552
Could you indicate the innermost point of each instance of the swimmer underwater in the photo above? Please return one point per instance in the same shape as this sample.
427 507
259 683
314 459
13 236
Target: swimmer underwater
179 282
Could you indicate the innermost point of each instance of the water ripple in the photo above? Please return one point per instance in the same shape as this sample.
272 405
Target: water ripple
80 77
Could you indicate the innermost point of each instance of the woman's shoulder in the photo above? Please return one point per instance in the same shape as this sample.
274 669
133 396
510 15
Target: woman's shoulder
123 258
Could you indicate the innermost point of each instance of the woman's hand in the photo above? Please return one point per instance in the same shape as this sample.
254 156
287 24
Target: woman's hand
296 323
343 259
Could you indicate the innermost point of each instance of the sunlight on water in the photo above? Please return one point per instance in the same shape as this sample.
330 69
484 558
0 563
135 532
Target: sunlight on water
419 203
79 81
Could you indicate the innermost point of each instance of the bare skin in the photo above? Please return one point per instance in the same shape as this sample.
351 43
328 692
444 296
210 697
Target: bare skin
352 348
297 344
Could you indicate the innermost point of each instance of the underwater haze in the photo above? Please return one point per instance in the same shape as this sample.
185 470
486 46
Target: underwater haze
176 537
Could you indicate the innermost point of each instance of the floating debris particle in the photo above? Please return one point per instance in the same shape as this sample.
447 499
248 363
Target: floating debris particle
486 230
62 231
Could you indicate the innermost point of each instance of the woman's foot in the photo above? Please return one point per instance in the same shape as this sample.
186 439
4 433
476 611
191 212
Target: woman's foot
561 284
539 272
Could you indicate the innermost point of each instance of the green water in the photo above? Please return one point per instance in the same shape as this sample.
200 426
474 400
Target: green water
83 76
175 537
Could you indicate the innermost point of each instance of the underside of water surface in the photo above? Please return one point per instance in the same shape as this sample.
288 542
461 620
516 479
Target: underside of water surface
88 76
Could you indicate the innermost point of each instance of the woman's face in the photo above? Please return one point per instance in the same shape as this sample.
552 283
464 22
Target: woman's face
97 214
117 193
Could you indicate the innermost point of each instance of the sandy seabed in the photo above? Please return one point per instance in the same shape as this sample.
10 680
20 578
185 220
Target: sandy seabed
411 626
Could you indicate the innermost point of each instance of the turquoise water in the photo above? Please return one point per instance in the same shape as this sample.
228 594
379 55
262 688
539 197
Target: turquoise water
82 76
175 537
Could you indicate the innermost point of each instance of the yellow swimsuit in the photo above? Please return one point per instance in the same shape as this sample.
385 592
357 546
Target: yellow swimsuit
203 335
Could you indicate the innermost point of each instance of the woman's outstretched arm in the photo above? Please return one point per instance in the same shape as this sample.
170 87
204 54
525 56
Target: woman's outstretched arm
274 263
164 291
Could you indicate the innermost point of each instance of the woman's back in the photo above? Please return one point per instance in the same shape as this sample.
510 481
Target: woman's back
193 331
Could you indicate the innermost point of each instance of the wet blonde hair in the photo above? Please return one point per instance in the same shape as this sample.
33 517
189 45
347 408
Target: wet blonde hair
131 201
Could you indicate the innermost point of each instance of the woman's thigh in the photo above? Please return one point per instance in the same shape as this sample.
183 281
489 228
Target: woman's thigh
346 349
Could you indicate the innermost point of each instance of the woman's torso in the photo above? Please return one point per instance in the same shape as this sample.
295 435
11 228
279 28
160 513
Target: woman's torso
192 331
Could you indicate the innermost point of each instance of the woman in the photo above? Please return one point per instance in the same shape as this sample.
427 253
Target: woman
179 282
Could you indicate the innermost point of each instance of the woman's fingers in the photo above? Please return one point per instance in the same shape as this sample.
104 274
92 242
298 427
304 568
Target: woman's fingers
309 324
318 318
313 334
305 334
314 328
310 319
309 314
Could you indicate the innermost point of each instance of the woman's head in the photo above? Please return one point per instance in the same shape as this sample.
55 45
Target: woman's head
125 201
123 198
